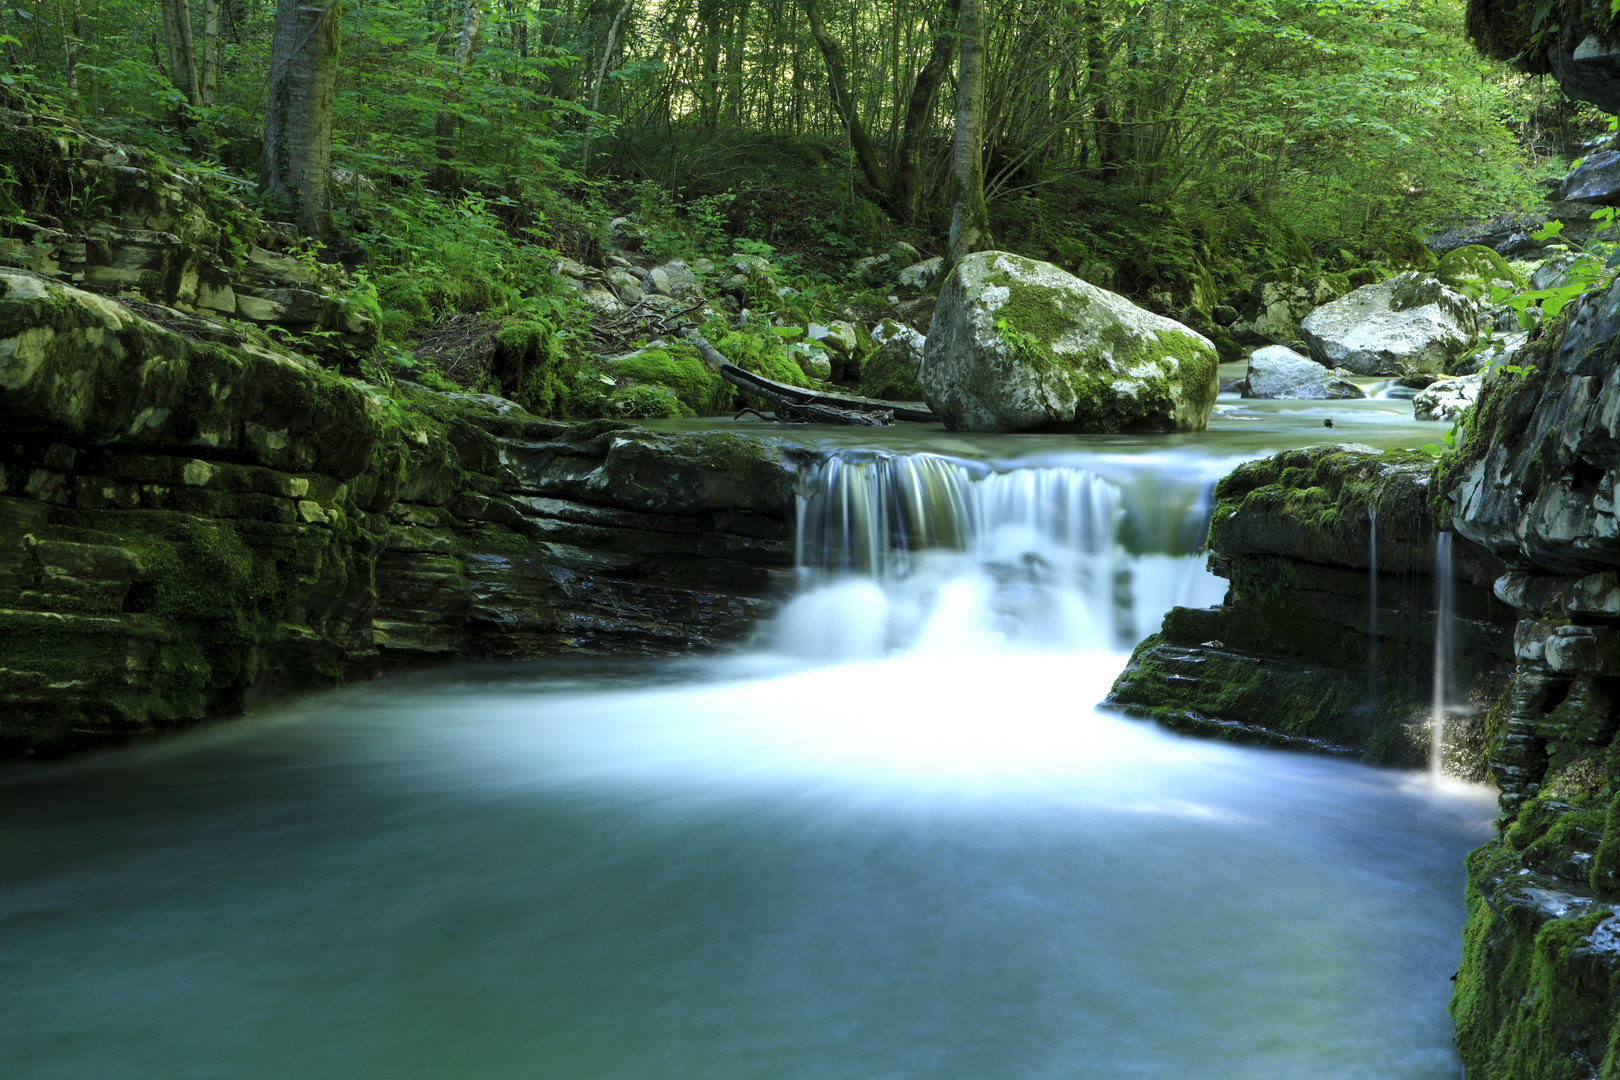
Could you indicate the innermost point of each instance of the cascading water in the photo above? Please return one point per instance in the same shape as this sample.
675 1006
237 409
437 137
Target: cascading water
1442 652
918 552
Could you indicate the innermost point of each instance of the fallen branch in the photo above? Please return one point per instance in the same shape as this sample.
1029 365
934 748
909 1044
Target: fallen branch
798 403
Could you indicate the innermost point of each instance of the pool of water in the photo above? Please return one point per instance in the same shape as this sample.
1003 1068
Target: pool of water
892 837
929 865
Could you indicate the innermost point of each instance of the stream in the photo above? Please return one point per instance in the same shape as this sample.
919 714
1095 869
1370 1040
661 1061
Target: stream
893 837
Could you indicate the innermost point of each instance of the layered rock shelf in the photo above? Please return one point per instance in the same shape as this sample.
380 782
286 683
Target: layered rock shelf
188 526
1289 659
1304 652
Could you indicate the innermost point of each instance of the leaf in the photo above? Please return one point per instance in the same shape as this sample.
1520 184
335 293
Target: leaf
1548 231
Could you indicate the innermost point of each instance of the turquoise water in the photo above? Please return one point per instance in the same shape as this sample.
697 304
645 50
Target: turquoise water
893 837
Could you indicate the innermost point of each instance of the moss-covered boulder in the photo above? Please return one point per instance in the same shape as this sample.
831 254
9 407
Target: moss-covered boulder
679 369
1475 270
81 368
1279 300
1017 344
889 372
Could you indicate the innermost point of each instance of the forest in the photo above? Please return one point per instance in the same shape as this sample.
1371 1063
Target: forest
448 155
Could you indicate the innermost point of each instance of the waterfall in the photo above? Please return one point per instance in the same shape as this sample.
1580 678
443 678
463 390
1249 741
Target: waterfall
921 552
1372 612
1442 651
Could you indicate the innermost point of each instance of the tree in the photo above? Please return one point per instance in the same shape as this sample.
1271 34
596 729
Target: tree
970 219
182 56
298 113
444 128
901 189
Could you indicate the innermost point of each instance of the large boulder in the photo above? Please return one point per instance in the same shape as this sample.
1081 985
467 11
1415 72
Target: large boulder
1278 372
1017 344
1411 324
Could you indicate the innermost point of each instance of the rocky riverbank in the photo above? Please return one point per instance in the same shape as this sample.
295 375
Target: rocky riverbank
1294 657
189 525
1310 648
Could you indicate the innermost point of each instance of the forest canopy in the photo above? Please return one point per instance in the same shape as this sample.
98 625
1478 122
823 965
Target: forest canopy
1175 140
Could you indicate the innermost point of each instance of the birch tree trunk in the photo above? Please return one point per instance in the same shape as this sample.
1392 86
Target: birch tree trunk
298 115
72 35
596 90
970 221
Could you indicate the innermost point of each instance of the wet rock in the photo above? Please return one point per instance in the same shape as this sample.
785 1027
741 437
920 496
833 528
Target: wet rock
1278 372
1561 425
1446 399
1595 180
1017 344
1289 658
1409 324
188 526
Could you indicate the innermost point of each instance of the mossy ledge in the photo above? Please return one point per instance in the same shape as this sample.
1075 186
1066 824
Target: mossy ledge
1291 657
187 527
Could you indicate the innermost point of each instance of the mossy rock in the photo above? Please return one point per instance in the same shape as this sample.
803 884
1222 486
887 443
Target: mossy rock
761 356
679 369
1473 270
1017 344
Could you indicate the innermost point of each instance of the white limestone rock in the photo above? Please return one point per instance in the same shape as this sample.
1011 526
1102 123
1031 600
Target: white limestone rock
1279 372
1408 325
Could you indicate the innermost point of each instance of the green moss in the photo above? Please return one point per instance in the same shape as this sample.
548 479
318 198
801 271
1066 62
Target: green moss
890 374
645 403
762 357
1473 269
733 453
1239 698
1323 490
1531 1001
402 302
680 368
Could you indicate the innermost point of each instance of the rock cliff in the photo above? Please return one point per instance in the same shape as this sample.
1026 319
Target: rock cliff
190 521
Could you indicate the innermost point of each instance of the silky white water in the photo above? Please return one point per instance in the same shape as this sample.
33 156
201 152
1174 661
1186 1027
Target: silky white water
893 838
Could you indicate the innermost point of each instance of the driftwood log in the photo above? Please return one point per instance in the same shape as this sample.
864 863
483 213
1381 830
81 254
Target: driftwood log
796 403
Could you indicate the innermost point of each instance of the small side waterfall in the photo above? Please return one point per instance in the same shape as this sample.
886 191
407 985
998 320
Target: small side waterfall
920 552
1372 611
1443 601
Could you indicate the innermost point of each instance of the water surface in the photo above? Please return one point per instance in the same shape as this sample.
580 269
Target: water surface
893 837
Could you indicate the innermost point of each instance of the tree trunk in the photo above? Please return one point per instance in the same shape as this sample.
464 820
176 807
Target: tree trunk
71 36
210 54
182 58
908 170
444 128
970 221
843 101
596 90
298 116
